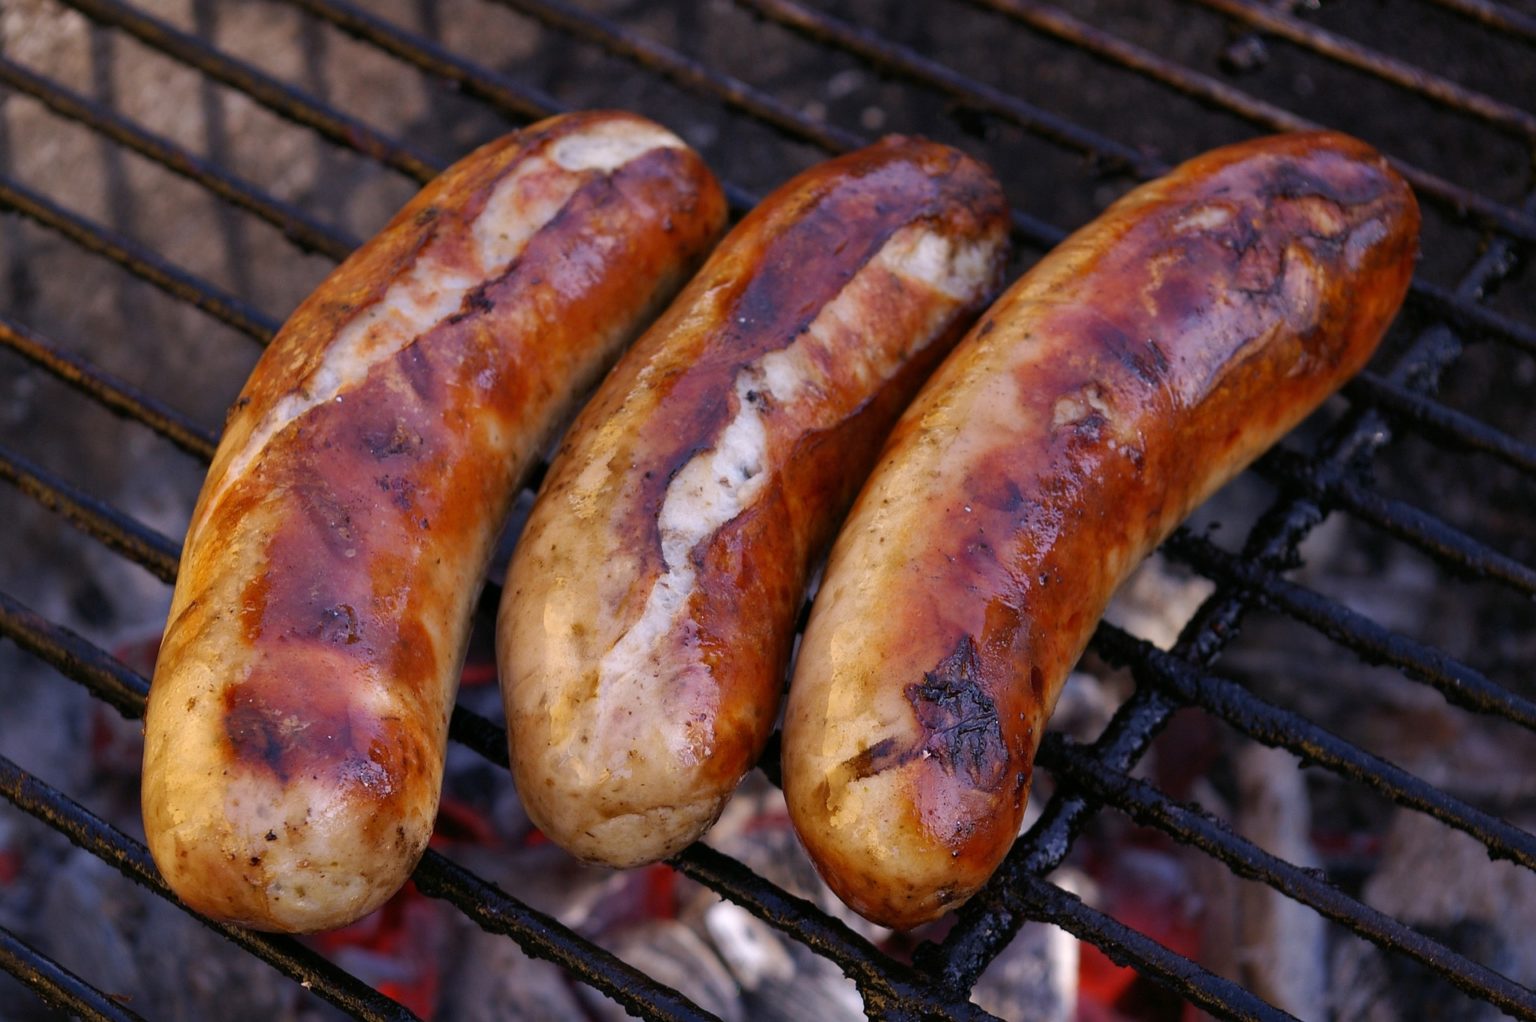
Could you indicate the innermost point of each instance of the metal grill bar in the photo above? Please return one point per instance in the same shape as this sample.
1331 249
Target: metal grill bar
1492 15
56 985
521 103
902 60
130 858
1053 22
1058 24
1264 722
1459 683
1457 428
1467 317
1128 736
1218 996
1352 54
82 661
121 533
896 59
296 225
1450 546
889 988
117 396
518 101
543 936
281 99
538 934
138 260
686 73
505 94
1190 825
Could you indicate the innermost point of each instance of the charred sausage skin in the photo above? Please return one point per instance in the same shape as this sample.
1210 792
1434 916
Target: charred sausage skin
1132 372
650 607
297 721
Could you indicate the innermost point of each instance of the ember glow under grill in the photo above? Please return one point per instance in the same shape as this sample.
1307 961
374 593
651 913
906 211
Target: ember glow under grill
176 174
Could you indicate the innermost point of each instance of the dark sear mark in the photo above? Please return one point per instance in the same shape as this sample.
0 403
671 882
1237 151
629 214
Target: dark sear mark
959 724
476 301
284 742
392 441
959 717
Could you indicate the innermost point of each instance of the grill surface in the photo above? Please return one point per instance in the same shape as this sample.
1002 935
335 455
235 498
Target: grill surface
108 318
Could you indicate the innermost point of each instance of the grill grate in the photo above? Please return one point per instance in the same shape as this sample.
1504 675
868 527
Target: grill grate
1489 224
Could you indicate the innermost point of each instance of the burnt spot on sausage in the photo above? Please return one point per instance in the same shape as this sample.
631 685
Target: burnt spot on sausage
959 718
283 739
329 518
339 625
417 371
879 757
401 490
477 301
1347 187
291 720
391 441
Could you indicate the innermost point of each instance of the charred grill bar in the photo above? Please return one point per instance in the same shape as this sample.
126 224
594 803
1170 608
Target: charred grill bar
1335 477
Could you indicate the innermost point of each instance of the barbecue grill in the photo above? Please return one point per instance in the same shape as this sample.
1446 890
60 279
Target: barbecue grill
124 328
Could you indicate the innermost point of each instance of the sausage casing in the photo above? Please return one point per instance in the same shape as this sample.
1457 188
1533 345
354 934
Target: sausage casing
297 721
1128 375
650 607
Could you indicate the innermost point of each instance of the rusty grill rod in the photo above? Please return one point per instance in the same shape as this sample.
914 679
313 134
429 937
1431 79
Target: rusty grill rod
297 226
501 92
129 857
140 261
118 396
1170 675
1491 15
278 97
57 986
1271 21
1454 428
906 62
1453 548
437 876
1461 684
1147 806
118 532
1047 20
682 71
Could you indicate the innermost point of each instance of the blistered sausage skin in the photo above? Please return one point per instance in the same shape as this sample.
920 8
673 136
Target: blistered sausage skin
297 721
649 610
1129 374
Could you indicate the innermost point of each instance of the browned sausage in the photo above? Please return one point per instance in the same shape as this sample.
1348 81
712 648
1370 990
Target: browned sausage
297 723
1133 371
649 611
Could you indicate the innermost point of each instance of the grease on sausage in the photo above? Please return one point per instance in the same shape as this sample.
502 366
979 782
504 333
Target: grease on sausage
1133 371
297 722
650 606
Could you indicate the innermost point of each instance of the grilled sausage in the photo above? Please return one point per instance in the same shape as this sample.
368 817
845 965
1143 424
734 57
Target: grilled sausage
297 722
1134 370
650 607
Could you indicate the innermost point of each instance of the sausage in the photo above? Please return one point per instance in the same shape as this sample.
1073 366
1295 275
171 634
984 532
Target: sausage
1130 373
650 606
297 722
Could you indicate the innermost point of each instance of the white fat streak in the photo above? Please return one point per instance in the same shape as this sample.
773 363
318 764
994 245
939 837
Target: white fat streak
431 289
719 484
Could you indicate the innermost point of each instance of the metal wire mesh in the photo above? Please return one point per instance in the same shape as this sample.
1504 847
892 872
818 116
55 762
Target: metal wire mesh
688 69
